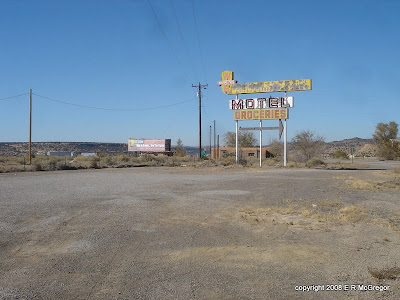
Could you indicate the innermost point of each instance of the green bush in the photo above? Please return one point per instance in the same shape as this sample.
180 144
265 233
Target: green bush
340 155
38 167
314 162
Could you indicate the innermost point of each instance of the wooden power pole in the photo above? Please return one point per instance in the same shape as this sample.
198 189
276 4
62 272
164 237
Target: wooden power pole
215 142
30 126
200 86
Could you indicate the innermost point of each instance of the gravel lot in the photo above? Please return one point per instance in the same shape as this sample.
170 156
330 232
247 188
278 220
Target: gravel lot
179 233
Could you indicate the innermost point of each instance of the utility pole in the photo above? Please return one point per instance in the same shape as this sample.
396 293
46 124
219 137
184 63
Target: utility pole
200 86
210 141
217 154
30 126
215 142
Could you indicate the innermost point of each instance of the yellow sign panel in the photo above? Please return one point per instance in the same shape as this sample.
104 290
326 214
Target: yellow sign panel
261 114
264 87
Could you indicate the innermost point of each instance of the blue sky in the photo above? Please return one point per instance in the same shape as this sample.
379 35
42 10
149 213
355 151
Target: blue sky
117 55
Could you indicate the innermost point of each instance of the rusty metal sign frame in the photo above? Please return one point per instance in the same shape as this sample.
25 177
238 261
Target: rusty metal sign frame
262 87
231 87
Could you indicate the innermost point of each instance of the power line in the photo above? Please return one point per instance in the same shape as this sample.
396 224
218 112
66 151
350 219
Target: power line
198 40
165 36
11 97
111 109
183 39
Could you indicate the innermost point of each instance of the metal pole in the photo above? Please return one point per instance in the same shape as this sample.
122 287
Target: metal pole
260 143
215 145
285 142
217 154
352 155
199 120
237 137
30 126
237 141
210 143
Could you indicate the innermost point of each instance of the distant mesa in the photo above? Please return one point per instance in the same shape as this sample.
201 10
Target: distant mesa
42 148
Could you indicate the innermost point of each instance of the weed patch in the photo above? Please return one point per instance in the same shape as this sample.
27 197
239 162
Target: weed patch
360 184
318 212
387 273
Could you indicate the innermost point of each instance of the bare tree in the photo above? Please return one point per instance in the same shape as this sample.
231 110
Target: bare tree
308 144
276 148
384 137
246 139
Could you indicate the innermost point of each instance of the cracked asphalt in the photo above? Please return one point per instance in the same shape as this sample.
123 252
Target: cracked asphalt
178 233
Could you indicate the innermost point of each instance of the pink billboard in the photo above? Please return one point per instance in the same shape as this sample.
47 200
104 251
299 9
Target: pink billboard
142 145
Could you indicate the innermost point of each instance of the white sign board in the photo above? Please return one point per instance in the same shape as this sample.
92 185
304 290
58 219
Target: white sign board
262 103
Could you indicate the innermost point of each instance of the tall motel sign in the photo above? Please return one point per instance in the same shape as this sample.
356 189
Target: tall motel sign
267 108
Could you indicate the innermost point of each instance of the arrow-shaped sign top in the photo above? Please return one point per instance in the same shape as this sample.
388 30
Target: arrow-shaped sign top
262 87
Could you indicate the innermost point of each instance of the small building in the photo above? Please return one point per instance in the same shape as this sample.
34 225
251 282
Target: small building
244 152
60 153
87 154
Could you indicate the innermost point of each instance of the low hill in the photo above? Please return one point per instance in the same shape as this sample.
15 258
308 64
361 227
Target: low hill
21 149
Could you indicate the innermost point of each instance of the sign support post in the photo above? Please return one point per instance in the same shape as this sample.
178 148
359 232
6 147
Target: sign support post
237 137
260 143
262 108
285 142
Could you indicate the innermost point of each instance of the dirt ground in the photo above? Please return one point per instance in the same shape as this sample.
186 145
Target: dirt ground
211 233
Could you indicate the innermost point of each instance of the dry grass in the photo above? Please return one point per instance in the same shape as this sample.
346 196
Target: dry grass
293 164
386 273
359 184
392 223
391 182
52 163
352 214
304 213
345 166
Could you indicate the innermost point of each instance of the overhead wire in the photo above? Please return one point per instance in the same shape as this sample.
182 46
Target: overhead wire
167 39
183 39
12 97
111 109
198 41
